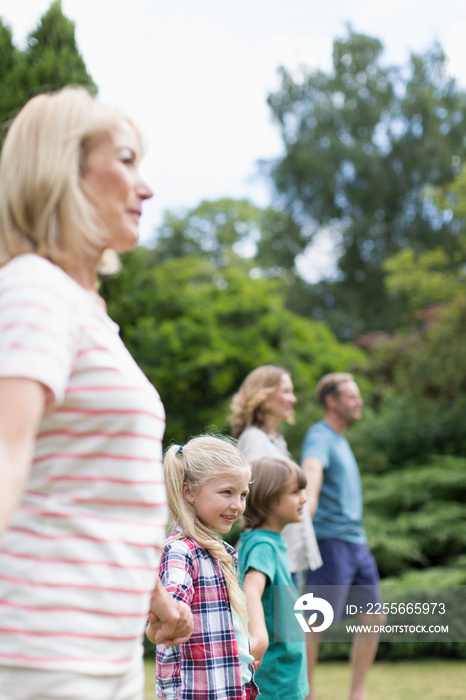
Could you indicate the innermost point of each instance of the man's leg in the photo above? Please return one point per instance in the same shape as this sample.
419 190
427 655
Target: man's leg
329 582
365 644
363 651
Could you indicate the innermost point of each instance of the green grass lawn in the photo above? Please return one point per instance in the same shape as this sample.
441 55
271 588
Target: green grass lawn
399 680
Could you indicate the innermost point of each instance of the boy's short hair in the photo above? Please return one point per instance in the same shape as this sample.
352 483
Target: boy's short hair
270 478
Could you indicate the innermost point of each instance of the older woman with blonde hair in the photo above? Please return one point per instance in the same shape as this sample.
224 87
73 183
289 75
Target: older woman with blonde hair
264 400
82 497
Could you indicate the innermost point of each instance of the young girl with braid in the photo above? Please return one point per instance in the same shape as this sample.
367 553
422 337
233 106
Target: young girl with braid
207 483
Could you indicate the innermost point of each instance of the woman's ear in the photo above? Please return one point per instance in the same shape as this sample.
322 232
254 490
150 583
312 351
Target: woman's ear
188 493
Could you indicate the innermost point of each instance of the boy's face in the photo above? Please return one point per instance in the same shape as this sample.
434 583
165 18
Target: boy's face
290 505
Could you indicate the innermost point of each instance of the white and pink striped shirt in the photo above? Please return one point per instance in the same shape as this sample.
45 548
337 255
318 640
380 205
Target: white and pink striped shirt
79 560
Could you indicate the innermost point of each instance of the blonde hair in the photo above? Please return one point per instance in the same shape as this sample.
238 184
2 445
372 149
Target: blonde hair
247 404
202 459
270 479
43 205
329 385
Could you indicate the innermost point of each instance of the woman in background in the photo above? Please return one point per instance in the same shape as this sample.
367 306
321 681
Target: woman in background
264 400
82 496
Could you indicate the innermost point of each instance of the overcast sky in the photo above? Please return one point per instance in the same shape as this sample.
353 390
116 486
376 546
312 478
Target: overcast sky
194 74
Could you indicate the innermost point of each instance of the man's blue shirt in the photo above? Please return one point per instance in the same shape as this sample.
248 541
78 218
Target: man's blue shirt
339 513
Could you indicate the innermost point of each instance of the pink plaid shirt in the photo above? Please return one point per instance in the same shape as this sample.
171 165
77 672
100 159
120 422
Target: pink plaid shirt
207 667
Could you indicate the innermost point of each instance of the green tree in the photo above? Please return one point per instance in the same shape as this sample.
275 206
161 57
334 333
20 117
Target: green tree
412 449
228 229
213 228
196 329
428 277
9 57
49 61
361 143
52 58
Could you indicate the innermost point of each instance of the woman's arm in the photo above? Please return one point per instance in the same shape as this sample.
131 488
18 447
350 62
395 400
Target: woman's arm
22 405
253 587
170 620
170 614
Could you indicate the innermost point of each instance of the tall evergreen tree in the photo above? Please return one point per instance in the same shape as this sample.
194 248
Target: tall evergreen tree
8 61
49 61
52 58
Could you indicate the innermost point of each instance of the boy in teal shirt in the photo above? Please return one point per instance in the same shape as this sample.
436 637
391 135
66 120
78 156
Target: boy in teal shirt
276 498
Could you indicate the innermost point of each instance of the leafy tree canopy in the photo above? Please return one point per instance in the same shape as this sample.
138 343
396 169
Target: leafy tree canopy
197 329
227 229
361 143
428 277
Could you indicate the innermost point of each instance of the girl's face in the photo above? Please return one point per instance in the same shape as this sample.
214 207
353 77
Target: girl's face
221 501
289 507
114 186
280 403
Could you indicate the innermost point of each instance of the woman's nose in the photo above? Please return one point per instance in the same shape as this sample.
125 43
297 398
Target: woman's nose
143 189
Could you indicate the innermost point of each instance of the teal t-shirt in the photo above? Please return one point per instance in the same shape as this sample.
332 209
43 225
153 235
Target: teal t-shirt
283 673
339 513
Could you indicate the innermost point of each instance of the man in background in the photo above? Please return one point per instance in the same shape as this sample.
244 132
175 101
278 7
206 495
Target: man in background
335 499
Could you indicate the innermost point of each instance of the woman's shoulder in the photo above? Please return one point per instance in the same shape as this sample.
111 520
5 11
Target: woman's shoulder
252 430
32 264
252 435
254 443
40 276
